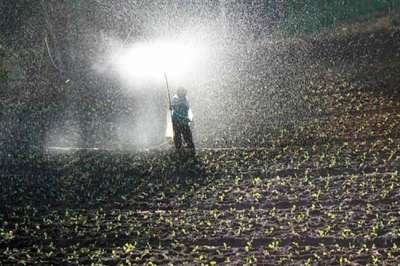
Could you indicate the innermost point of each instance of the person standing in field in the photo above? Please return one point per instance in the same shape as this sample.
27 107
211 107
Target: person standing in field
180 119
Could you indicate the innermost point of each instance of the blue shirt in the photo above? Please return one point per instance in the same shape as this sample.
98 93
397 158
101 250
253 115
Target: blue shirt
180 109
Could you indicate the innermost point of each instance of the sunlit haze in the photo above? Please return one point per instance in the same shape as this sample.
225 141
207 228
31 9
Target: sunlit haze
149 60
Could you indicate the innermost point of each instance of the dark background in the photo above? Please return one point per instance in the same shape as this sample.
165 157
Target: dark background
48 49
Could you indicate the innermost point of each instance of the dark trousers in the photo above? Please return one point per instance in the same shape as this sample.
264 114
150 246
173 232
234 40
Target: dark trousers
182 130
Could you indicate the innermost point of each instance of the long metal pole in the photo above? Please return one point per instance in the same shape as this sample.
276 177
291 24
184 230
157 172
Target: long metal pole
170 106
169 95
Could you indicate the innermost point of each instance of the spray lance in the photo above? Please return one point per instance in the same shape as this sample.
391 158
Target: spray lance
169 132
169 95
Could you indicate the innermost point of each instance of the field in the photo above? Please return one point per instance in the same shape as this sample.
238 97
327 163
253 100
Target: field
324 191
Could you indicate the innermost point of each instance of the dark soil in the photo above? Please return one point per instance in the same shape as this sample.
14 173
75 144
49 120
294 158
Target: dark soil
323 190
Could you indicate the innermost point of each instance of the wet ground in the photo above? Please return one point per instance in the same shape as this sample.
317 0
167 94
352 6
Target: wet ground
323 190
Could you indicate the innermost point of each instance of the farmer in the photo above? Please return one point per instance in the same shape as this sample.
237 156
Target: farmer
180 119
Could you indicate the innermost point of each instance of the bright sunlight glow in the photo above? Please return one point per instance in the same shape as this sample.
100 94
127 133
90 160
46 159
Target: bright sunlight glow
149 60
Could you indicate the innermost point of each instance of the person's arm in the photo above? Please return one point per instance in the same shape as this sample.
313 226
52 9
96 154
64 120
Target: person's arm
189 110
187 103
173 102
